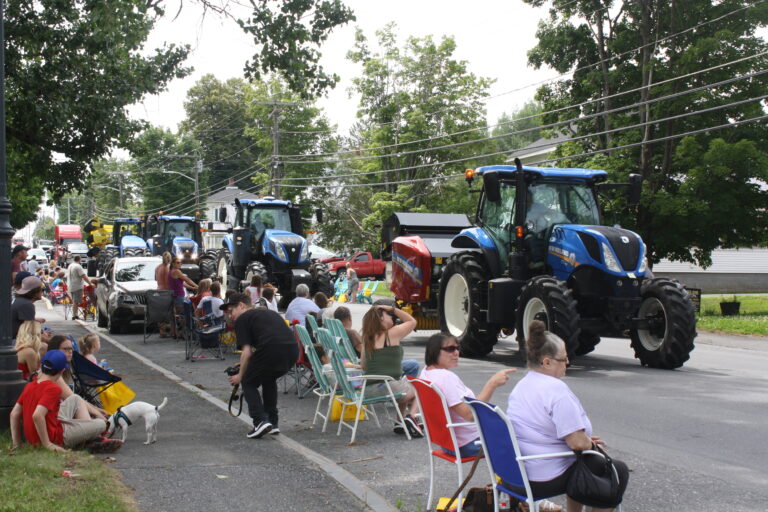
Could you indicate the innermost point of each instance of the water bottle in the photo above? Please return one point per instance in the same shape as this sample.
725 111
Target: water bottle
503 501
104 365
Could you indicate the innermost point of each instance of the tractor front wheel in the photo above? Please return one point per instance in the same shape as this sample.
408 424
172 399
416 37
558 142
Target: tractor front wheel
664 338
321 279
463 304
224 271
549 300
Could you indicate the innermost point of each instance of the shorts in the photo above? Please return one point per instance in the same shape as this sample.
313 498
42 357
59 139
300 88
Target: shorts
178 302
374 389
468 450
77 296
76 432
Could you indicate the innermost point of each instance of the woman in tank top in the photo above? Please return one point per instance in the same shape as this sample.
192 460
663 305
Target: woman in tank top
383 355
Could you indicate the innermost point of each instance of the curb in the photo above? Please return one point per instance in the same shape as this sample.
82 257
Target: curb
347 480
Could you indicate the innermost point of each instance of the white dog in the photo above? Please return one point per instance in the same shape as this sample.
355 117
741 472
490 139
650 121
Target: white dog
129 414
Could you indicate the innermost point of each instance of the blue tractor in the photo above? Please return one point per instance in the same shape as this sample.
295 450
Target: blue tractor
268 240
127 241
538 251
182 237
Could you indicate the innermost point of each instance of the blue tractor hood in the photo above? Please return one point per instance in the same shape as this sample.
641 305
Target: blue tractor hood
285 246
614 251
132 241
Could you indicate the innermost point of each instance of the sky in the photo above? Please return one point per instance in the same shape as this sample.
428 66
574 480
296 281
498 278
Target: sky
493 36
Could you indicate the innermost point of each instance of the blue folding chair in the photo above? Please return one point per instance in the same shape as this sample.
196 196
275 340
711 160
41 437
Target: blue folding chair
503 456
90 380
199 337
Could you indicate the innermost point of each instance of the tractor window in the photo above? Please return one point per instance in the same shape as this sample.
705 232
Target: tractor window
498 218
261 219
581 206
175 229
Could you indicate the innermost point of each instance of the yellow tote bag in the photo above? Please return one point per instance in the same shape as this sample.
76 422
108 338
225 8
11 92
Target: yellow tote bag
116 395
349 414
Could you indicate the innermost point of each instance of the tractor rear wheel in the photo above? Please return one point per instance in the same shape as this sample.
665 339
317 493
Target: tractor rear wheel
131 252
256 268
321 279
207 266
224 271
551 301
463 304
669 317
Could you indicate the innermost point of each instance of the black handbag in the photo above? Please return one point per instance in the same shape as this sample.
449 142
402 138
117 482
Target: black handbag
595 484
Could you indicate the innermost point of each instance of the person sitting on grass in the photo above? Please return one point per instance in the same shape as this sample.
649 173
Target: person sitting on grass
65 381
28 345
55 424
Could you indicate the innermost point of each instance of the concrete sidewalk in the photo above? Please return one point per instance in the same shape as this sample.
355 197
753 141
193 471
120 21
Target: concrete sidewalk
202 460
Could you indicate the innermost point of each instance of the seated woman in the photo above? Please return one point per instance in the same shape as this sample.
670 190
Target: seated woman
28 347
441 356
383 355
203 290
549 418
65 381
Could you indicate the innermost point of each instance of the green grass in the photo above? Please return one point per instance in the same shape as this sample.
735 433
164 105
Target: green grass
752 318
383 290
31 481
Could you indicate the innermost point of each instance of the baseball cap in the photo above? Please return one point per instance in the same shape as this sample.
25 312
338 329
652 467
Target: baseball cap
20 277
18 249
236 298
54 360
28 284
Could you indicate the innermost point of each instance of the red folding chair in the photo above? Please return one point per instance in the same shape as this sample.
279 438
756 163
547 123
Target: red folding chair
439 430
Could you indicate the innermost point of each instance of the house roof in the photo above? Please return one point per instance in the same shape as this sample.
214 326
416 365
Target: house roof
542 146
229 194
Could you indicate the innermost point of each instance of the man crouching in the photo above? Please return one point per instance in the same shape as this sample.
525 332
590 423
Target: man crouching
52 423
269 350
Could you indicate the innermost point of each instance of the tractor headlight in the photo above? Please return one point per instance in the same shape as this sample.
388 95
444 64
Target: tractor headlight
643 265
280 252
304 252
609 259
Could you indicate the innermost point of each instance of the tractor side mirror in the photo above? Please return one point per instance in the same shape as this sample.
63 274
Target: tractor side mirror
222 214
319 215
492 186
635 189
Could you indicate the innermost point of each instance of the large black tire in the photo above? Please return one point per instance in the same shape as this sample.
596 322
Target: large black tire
108 255
667 339
464 302
587 343
207 266
131 252
551 301
224 272
321 279
256 268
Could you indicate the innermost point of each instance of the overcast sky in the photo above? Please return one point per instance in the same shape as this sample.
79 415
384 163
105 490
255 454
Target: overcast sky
493 36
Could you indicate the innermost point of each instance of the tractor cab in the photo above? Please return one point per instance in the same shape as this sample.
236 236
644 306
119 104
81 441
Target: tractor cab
179 236
126 237
274 229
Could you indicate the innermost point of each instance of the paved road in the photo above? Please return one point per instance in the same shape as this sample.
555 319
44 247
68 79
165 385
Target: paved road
693 438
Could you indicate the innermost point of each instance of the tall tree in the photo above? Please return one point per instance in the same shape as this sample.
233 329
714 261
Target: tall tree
420 110
71 68
525 119
703 191
217 116
44 229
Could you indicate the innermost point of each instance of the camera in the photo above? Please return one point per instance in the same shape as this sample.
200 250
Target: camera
232 370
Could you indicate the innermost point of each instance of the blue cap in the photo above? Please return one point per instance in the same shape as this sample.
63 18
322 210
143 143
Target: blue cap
20 277
54 360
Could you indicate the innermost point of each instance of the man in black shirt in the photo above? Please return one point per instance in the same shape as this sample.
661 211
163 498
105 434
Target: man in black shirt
269 351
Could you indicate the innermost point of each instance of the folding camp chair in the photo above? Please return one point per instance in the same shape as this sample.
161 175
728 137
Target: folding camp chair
90 380
351 396
200 337
339 286
301 372
439 430
364 295
502 454
158 309
345 344
311 324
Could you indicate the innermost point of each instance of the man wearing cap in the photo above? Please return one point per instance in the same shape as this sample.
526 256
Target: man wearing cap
46 420
18 256
269 350
75 277
23 307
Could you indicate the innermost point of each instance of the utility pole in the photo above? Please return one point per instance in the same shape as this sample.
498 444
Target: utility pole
198 170
69 211
276 167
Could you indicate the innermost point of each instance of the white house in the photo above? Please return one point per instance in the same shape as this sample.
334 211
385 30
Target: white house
225 198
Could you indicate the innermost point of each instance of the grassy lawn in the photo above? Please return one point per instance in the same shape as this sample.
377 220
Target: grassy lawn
383 290
752 318
31 480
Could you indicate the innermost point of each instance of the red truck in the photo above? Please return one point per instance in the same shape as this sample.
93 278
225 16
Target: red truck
363 263
64 234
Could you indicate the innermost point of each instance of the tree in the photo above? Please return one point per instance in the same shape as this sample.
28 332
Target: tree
526 119
217 116
703 191
159 154
420 110
44 229
71 68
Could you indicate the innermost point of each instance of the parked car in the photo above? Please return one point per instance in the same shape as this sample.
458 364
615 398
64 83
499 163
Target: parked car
364 264
46 245
75 249
40 254
324 255
120 297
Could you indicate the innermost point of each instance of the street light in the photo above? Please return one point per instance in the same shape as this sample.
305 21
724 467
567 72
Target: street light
196 179
11 383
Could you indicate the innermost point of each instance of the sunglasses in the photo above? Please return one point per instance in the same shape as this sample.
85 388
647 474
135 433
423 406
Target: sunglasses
451 348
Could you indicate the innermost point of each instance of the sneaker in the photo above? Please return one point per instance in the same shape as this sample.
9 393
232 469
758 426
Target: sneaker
399 428
104 445
259 430
413 427
274 431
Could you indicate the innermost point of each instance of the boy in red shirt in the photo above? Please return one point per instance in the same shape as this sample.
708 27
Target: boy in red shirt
49 421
